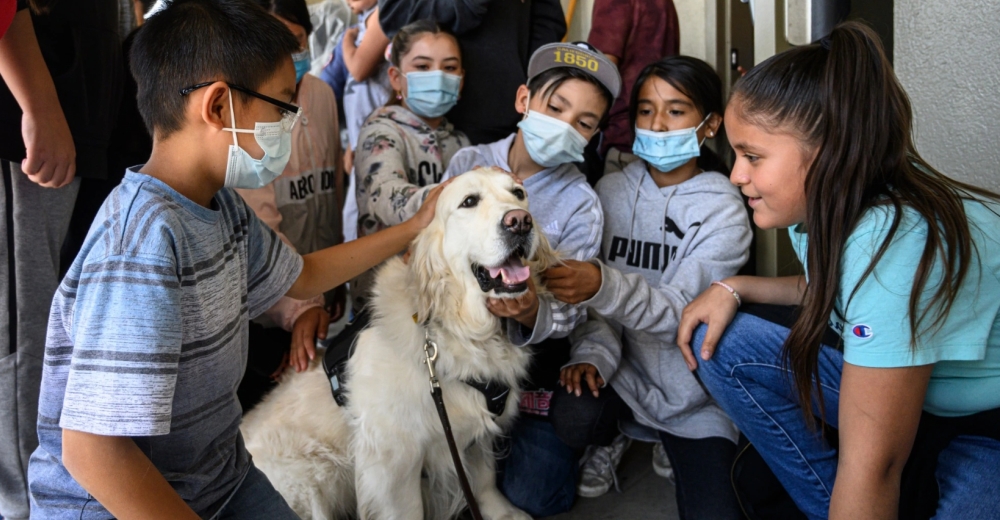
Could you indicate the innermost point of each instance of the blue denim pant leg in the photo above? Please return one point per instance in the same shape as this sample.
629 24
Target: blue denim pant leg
537 471
968 477
256 499
746 378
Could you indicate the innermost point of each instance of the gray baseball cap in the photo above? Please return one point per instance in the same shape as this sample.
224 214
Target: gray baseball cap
577 55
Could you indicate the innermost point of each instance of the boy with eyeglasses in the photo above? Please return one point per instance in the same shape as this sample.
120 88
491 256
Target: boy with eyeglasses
147 340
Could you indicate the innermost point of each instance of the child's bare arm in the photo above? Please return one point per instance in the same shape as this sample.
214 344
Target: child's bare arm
328 268
363 61
121 477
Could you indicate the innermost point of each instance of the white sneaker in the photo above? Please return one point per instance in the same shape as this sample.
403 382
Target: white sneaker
661 463
597 467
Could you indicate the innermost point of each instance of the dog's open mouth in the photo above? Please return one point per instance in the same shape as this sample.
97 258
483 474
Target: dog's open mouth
509 277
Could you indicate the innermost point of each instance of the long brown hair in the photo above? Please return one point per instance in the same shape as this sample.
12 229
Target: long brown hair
843 98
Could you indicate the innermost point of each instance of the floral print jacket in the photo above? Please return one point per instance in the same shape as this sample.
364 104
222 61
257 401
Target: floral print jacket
398 155
397 159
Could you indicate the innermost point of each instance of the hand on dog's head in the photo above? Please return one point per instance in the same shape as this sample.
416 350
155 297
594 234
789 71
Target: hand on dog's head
482 242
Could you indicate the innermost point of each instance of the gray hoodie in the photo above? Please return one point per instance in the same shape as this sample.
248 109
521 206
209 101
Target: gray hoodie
568 212
661 248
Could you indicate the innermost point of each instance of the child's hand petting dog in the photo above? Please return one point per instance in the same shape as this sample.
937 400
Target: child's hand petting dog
574 281
523 309
312 324
425 214
570 376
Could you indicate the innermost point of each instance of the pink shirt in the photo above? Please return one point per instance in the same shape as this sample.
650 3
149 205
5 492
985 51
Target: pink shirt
304 204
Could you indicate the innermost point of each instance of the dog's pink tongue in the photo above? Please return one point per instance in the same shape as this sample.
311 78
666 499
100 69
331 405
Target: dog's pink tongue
513 272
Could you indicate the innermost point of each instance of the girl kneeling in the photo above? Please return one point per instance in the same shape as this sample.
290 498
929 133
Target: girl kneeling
823 135
673 223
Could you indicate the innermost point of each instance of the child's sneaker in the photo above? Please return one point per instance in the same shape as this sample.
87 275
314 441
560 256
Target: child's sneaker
661 463
597 467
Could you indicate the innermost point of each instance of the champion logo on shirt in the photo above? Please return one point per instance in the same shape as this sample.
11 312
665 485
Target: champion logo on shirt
862 331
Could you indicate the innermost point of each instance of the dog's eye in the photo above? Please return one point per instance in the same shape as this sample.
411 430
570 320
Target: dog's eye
519 193
470 201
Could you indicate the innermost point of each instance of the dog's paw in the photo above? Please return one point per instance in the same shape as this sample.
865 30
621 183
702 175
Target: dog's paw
495 506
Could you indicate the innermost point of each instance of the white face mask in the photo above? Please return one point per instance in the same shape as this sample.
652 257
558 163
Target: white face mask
243 171
550 141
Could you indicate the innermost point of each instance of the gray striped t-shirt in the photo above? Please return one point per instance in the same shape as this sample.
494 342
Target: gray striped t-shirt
148 339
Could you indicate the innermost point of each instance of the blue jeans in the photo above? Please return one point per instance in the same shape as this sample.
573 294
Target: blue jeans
256 499
746 378
535 470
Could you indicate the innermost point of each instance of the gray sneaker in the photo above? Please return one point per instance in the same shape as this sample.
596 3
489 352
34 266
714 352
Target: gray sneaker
661 463
597 467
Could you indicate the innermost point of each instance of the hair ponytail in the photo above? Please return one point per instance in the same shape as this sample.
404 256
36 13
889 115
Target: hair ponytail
843 98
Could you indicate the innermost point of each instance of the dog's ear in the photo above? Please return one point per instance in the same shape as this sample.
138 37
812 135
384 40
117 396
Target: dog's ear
429 268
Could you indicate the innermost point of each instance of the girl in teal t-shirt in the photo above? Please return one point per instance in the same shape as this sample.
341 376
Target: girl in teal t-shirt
823 139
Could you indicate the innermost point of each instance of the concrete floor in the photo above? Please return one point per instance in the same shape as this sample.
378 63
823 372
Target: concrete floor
644 494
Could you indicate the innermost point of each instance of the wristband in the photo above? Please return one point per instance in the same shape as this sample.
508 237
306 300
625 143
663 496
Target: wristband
729 288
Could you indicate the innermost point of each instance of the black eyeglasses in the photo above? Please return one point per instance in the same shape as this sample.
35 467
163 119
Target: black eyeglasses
289 111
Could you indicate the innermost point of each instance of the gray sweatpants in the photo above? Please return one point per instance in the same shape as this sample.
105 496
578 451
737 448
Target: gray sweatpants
33 224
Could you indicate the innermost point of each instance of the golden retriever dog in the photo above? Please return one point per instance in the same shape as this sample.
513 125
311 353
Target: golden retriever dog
384 455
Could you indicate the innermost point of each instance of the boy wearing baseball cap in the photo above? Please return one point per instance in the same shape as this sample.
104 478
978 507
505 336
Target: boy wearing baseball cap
569 91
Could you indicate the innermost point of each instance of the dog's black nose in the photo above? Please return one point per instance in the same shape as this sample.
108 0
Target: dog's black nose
517 221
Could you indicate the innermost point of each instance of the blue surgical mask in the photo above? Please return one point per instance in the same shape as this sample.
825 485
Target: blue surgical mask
665 151
301 60
243 171
551 142
432 93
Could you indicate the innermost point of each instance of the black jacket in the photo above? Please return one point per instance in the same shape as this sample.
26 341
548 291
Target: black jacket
497 38
80 44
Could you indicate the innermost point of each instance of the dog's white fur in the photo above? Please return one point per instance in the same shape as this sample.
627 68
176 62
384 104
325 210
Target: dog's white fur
384 456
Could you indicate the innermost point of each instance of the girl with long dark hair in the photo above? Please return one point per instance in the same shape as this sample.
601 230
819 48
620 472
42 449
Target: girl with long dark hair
672 224
901 260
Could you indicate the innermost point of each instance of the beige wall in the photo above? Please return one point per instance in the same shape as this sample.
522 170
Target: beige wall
946 58
691 14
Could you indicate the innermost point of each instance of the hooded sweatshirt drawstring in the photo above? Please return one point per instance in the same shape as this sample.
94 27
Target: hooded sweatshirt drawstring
663 221
631 220
663 236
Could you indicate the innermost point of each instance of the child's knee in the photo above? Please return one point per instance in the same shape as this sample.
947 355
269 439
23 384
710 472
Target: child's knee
571 418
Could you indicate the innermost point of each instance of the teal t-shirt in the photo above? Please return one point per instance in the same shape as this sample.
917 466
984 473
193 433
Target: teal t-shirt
875 323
